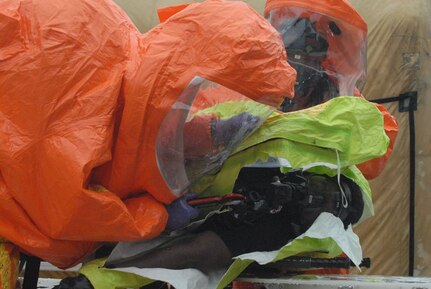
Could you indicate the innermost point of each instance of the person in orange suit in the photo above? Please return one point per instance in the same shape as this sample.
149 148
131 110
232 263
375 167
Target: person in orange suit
326 44
83 95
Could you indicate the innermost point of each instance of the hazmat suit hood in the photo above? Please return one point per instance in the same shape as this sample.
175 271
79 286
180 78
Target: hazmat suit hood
178 51
325 42
83 100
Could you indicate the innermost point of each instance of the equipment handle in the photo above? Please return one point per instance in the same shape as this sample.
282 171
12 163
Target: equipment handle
215 200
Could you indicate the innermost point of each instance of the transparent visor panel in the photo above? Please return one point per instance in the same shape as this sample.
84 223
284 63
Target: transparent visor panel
202 129
328 54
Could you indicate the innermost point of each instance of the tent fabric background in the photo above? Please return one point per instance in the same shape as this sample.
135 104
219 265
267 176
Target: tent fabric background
398 61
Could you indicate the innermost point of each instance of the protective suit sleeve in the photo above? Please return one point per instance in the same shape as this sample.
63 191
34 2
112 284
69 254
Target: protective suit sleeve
149 217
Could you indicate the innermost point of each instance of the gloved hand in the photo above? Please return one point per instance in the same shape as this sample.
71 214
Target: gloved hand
181 213
224 131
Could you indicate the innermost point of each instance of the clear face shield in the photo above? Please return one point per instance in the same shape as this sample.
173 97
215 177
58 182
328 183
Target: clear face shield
328 54
201 130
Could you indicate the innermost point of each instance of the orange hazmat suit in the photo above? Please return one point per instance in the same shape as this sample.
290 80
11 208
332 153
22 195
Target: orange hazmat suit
82 96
